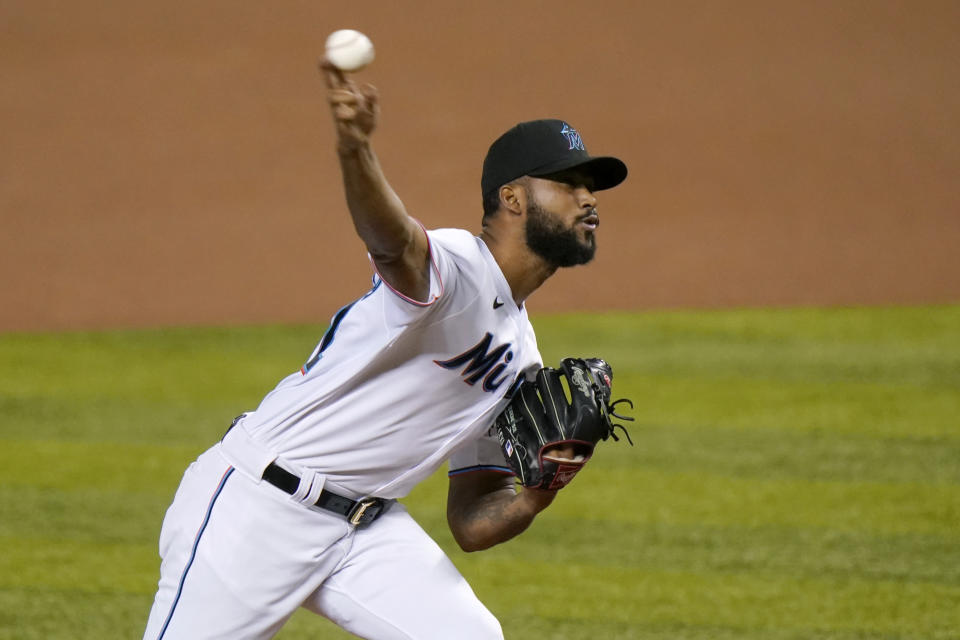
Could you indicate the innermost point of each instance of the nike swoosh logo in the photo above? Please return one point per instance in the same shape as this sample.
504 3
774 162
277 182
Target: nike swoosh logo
496 303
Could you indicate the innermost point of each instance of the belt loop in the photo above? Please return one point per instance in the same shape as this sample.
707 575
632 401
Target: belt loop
308 491
244 453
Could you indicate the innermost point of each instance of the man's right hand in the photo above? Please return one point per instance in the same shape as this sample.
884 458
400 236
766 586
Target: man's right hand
355 108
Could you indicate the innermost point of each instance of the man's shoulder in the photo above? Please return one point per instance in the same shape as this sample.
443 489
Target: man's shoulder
459 242
453 236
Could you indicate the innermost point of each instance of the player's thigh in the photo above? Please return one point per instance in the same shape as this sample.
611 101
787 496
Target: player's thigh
237 560
396 583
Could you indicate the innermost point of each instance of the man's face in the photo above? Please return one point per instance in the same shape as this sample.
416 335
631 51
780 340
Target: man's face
562 218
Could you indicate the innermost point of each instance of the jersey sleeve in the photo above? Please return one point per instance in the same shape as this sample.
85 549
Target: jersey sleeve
482 454
454 262
436 277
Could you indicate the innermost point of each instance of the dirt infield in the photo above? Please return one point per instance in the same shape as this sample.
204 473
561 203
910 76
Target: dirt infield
172 163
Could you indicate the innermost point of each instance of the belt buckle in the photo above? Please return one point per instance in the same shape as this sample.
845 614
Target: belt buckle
360 509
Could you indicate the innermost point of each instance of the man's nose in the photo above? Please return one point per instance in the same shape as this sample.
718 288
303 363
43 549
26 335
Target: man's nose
587 199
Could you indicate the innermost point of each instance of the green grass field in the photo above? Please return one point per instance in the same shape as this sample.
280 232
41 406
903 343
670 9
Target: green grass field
796 475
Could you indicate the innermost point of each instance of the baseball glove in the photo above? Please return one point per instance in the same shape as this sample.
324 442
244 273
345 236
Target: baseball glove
565 409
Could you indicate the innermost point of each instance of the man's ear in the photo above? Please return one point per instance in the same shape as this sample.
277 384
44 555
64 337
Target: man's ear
513 197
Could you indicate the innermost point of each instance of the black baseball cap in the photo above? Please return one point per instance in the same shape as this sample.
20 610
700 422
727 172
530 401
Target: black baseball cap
541 147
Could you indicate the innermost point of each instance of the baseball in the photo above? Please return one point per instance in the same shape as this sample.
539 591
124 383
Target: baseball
349 50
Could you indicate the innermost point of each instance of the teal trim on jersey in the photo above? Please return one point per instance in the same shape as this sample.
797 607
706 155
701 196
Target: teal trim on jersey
480 467
331 331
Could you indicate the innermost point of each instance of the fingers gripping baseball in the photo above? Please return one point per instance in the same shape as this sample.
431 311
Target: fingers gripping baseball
355 108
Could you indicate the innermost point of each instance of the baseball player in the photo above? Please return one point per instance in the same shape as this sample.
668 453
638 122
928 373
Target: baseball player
297 505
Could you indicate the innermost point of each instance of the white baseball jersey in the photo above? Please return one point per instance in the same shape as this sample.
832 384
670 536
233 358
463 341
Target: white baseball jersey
393 389
395 386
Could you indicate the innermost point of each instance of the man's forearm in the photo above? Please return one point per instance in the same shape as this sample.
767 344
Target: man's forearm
377 212
489 519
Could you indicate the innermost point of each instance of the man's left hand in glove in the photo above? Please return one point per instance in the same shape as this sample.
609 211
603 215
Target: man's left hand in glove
553 423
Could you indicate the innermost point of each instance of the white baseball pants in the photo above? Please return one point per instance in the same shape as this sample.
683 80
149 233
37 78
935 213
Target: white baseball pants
240 556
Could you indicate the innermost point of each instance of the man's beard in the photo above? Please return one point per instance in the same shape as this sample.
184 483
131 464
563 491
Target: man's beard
547 237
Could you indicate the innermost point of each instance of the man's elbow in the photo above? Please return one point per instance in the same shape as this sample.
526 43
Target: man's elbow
475 544
470 546
469 538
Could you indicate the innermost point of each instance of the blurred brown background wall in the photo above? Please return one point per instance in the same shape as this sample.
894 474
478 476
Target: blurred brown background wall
172 163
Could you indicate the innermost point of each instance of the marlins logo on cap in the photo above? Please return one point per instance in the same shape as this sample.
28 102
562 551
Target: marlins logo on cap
576 142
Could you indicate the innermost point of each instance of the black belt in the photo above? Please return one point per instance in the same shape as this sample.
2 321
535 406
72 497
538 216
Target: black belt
358 512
